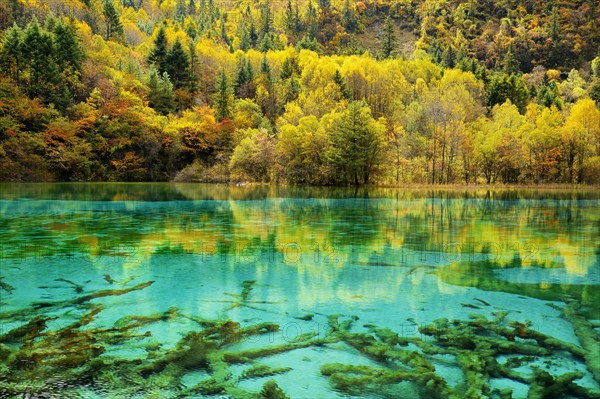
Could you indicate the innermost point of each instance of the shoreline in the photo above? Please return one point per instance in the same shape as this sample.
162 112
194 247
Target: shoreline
407 186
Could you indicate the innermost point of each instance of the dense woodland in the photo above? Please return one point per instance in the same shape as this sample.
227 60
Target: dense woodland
309 92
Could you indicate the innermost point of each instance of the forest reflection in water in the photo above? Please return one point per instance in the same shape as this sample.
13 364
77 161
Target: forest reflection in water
152 262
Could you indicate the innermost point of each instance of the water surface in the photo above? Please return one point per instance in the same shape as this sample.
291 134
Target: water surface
184 290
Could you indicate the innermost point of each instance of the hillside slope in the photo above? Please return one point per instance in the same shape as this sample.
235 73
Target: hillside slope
310 92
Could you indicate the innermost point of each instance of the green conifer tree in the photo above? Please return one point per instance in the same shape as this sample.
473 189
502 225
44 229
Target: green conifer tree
178 68
180 10
161 96
266 18
510 64
69 51
349 20
341 83
311 21
244 87
38 51
226 39
158 54
222 97
324 4
11 54
114 27
388 41
244 35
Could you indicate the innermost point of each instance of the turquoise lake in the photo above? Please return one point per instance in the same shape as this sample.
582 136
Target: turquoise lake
114 290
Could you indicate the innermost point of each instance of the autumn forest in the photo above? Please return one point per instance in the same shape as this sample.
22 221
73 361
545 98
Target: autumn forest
301 92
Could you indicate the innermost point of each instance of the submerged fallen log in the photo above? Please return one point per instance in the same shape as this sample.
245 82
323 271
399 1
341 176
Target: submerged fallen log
588 337
475 345
79 351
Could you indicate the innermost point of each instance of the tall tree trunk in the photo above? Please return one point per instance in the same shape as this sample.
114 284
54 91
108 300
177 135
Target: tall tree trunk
433 163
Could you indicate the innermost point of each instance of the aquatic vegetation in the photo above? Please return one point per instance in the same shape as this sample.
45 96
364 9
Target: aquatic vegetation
306 317
80 351
262 370
5 286
179 323
76 352
475 345
543 385
589 339
272 391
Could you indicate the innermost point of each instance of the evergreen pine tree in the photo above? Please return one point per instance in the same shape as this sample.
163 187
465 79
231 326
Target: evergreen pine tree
324 4
191 29
224 35
473 66
503 86
38 51
69 52
153 78
308 44
341 83
349 19
510 64
249 71
436 51
114 27
193 68
286 69
180 10
268 99
289 23
68 55
548 94
222 97
291 18
178 68
250 90
554 29
297 19
252 32
292 90
269 42
357 144
50 22
596 67
388 40
266 17
11 54
449 57
244 86
244 35
265 67
289 68
158 54
161 96
557 52
311 23
129 3
240 76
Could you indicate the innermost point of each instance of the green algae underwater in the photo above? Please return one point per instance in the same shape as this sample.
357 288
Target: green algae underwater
209 291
